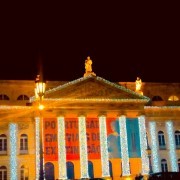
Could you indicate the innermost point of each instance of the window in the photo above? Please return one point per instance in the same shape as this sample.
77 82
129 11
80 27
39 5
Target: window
24 173
4 97
3 144
173 98
157 98
3 173
24 143
23 97
177 139
161 139
164 166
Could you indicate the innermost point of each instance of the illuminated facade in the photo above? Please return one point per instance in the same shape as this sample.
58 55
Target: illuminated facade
91 128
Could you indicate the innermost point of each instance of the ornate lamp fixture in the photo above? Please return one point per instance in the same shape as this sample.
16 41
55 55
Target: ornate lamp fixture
40 90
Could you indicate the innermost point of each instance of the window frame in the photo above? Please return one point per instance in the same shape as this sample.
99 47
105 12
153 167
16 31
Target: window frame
24 144
3 172
161 140
177 139
164 166
4 97
24 173
3 144
23 97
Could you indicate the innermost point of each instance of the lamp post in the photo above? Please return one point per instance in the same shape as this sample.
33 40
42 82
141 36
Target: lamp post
39 92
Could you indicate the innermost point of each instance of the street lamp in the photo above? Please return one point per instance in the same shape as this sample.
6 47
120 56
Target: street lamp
40 89
39 93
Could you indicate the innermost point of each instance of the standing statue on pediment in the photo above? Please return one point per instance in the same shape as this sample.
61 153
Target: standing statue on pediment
88 64
138 86
88 67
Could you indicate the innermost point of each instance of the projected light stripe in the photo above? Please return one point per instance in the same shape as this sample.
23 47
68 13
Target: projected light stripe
37 121
171 144
61 149
154 148
13 151
104 148
83 147
143 145
124 146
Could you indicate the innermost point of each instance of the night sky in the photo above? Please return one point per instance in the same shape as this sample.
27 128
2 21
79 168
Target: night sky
123 41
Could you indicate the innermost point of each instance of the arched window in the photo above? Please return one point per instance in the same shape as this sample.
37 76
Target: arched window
23 97
24 173
49 171
157 98
70 170
4 97
179 164
164 166
3 144
173 98
177 139
161 139
90 169
3 173
23 143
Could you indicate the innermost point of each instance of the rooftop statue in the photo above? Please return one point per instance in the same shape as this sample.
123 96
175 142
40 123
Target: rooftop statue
139 85
88 67
88 64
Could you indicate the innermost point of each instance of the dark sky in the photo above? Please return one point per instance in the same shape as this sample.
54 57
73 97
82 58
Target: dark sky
124 41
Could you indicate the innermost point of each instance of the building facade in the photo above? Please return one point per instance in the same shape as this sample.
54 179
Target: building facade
89 128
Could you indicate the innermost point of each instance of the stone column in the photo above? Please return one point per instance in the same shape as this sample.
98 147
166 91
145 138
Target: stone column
171 146
154 147
13 132
124 146
143 145
61 148
37 139
104 147
83 147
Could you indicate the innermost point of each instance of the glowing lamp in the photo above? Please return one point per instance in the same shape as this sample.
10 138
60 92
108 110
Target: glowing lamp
40 87
40 90
41 107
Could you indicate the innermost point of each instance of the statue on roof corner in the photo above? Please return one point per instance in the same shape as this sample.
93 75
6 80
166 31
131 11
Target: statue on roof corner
138 86
88 64
88 67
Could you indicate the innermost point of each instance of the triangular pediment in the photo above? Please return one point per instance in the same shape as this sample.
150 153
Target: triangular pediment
93 87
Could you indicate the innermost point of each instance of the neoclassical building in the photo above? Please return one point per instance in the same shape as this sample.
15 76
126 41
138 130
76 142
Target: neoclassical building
89 128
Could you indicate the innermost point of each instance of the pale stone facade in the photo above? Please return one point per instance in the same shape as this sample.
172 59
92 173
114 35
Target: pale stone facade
92 97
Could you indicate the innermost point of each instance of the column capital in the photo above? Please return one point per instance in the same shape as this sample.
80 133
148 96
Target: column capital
60 117
170 121
60 114
82 114
141 115
102 115
123 115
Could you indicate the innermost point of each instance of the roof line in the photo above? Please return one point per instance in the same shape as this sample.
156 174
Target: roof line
98 78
